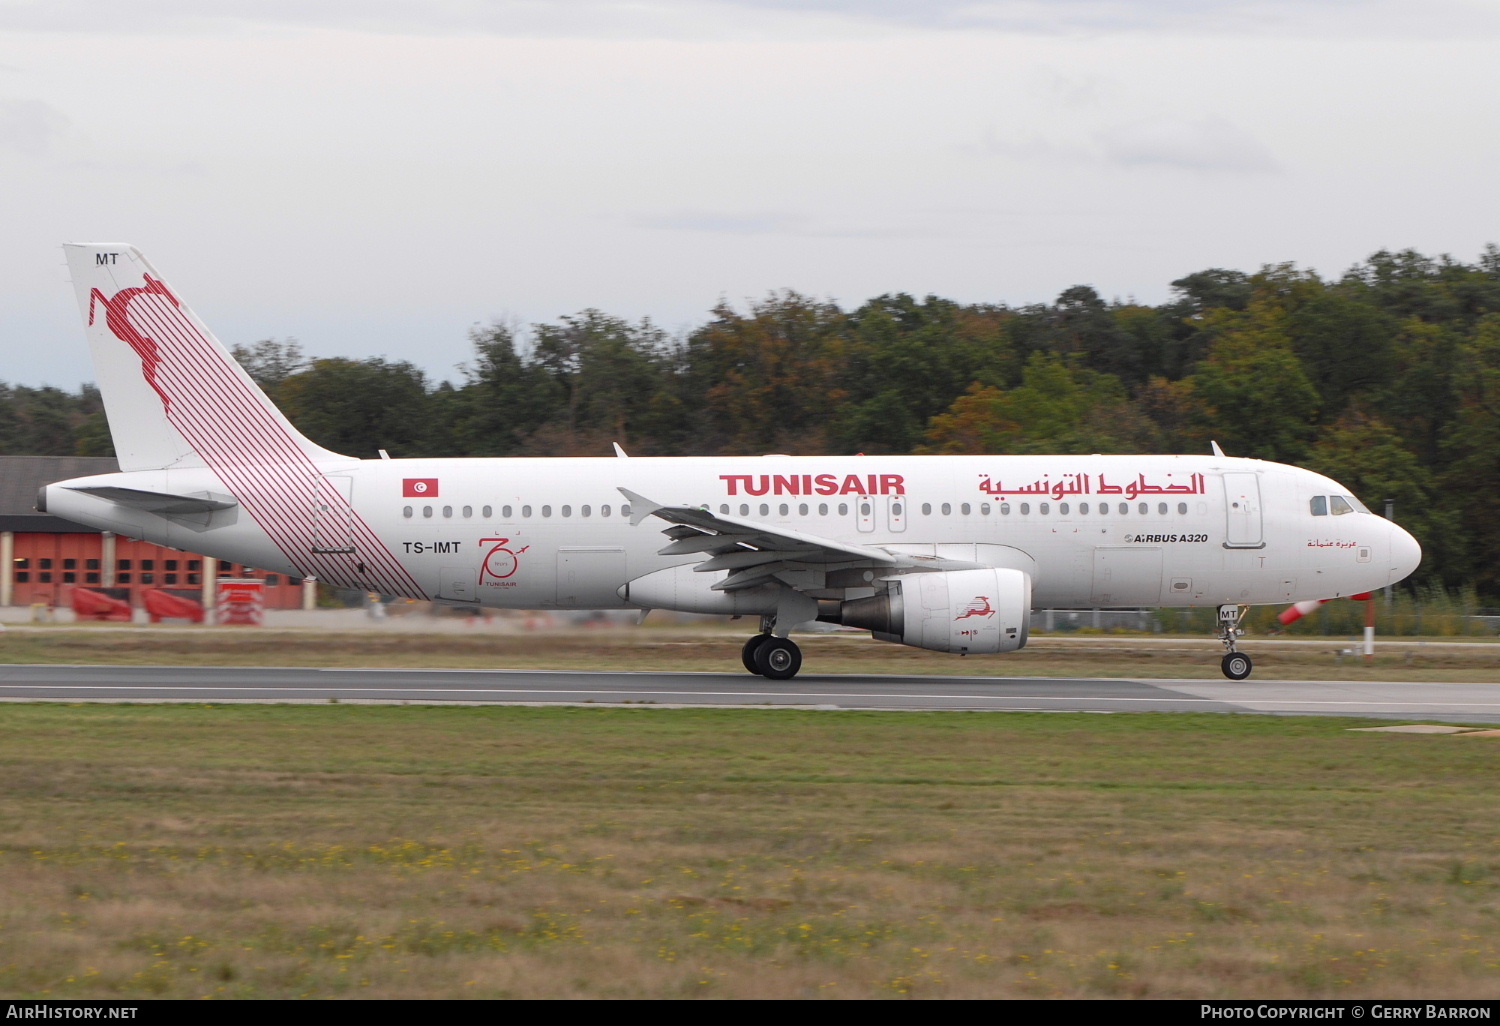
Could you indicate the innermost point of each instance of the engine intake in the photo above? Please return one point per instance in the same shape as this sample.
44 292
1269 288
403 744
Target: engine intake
985 610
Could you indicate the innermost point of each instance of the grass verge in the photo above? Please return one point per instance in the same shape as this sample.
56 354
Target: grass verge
378 851
719 651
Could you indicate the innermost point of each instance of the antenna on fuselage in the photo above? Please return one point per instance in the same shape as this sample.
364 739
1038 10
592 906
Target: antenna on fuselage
1217 450
620 452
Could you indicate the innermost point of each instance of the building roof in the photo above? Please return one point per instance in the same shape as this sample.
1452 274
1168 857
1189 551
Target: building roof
22 476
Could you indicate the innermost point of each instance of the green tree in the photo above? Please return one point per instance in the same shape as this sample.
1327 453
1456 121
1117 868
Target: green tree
355 407
1054 409
1345 345
767 381
1256 396
504 398
1368 456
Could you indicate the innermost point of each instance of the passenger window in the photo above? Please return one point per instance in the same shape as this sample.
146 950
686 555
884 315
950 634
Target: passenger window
406 512
604 511
625 510
468 511
584 511
964 509
546 511
1044 508
1338 505
783 509
447 511
723 508
1319 505
927 509
947 509
802 510
488 512
1005 509
744 509
1083 508
1025 509
427 511
822 509
1161 509
1182 508
1124 508
765 509
1062 509
567 511
843 509
526 511
1143 508
984 509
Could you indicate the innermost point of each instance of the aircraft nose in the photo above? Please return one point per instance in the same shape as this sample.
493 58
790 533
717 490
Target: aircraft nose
1406 554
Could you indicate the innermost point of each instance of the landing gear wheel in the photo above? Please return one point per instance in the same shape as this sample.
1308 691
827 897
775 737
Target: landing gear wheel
778 659
1236 666
747 654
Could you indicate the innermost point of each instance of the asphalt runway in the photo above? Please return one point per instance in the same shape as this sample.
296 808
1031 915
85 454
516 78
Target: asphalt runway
1478 703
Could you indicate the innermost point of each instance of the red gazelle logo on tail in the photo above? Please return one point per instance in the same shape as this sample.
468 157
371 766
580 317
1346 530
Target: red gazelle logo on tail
117 317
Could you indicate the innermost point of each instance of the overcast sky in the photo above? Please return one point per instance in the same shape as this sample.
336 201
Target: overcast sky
374 183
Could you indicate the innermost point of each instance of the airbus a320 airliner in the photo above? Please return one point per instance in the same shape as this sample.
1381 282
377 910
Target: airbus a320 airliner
949 553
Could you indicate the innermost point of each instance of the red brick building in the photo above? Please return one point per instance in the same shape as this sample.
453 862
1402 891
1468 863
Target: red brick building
42 556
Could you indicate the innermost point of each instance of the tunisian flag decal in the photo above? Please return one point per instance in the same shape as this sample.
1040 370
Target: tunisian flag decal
419 488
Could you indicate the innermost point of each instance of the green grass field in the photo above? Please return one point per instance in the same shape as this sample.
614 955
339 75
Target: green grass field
390 851
718 650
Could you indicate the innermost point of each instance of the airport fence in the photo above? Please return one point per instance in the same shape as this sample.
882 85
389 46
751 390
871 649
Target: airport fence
1427 612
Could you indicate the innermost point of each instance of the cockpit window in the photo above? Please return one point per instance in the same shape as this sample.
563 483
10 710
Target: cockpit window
1339 505
1319 505
1359 507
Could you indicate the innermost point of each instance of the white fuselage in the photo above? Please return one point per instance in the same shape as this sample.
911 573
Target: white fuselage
551 533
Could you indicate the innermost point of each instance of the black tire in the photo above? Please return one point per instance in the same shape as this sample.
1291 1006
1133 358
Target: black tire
778 659
747 654
1236 666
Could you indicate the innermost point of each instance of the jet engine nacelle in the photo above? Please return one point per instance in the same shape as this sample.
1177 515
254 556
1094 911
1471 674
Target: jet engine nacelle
986 610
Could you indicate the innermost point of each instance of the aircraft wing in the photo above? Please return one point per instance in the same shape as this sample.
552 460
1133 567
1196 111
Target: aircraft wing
754 551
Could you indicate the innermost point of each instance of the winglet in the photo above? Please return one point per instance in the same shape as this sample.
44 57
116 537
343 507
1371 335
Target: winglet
1217 450
640 506
619 451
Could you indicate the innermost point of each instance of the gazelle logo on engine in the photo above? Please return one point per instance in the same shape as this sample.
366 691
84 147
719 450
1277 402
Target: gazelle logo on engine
978 606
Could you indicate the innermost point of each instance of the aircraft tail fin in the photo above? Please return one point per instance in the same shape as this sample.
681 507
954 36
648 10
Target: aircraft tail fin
173 394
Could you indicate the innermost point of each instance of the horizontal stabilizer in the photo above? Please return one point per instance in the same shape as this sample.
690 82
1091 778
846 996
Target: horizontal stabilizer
164 503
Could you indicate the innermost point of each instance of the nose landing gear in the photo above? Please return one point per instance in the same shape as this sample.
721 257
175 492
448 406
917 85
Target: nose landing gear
1235 664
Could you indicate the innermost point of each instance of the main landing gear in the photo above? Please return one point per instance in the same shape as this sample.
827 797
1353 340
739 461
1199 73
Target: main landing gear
772 657
1236 664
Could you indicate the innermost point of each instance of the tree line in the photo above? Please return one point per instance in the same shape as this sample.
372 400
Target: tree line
1386 378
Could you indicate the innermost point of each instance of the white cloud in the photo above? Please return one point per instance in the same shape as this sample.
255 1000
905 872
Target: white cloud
1206 144
721 223
30 127
713 18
